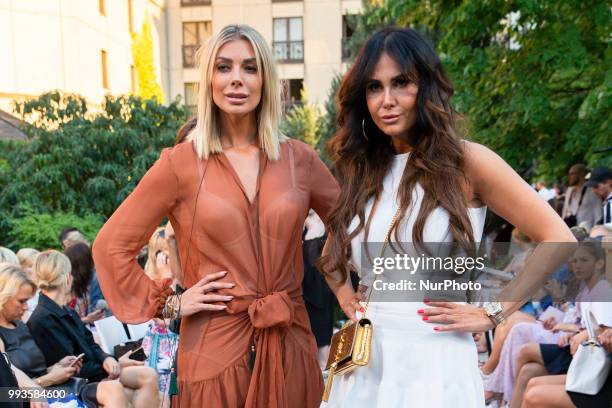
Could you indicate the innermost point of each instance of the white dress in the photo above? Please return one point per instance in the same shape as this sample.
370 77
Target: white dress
411 365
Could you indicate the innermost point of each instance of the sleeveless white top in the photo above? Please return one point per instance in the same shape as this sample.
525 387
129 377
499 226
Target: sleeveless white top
436 227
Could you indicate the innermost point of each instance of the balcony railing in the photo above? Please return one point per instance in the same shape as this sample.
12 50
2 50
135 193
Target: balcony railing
288 51
187 3
189 55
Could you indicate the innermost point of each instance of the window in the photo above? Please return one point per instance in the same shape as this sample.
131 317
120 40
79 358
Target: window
288 41
191 97
292 93
130 16
102 7
195 2
347 33
194 34
104 69
133 79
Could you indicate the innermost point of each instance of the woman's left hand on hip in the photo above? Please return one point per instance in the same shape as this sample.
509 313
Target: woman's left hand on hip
458 317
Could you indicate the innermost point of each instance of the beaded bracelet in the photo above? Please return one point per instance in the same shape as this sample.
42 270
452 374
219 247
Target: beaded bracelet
172 307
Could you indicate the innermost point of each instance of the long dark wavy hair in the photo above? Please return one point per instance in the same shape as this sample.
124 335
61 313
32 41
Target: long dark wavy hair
436 160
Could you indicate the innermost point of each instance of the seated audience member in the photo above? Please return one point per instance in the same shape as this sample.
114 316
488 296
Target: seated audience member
498 370
536 360
82 269
525 248
17 342
158 256
26 258
6 255
59 332
72 236
549 391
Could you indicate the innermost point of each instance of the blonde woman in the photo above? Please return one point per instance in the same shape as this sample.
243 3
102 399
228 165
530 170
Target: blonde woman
26 258
237 193
158 257
59 332
6 255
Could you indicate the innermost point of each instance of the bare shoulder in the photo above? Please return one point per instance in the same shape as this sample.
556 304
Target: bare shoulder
480 159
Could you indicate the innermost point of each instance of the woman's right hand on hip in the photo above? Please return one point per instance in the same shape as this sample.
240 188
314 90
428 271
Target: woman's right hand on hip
201 296
349 300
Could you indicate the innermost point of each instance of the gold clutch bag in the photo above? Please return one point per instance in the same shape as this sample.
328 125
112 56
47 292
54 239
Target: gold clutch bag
350 348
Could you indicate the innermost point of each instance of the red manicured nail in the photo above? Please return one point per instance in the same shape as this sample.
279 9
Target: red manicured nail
436 328
361 309
425 318
425 300
420 311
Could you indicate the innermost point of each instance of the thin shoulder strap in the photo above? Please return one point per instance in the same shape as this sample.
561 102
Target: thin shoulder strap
202 167
581 196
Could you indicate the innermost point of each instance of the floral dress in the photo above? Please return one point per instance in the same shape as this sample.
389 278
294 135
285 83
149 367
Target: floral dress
159 344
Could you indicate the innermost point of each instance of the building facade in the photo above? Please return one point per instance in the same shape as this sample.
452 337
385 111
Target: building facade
77 46
306 37
84 46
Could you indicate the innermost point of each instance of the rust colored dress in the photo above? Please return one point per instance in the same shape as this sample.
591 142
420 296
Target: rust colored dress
258 243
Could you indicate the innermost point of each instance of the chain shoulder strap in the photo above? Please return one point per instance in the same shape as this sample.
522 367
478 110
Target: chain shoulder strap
382 250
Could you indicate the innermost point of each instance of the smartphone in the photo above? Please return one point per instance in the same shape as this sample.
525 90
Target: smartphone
101 305
138 355
79 358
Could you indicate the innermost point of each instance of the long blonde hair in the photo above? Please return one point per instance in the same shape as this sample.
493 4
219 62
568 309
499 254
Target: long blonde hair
207 133
156 243
11 279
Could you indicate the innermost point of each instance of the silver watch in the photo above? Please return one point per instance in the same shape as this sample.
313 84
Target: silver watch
494 312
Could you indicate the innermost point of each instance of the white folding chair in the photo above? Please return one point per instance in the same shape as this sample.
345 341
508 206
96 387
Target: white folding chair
111 332
138 331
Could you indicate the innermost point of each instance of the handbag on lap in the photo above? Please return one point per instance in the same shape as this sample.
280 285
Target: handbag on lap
590 366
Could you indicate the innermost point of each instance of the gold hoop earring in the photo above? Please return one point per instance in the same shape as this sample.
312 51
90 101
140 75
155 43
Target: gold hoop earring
363 130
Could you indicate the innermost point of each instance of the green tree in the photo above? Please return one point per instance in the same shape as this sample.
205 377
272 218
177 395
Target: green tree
329 120
83 163
533 78
41 230
303 122
142 52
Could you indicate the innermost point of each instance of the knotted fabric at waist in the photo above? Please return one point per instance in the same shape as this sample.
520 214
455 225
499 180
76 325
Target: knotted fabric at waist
269 315
275 309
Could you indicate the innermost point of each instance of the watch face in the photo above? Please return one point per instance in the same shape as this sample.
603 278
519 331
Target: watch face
492 307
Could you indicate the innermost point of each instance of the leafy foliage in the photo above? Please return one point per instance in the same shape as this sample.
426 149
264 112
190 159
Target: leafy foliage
329 120
532 77
303 122
79 162
41 231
